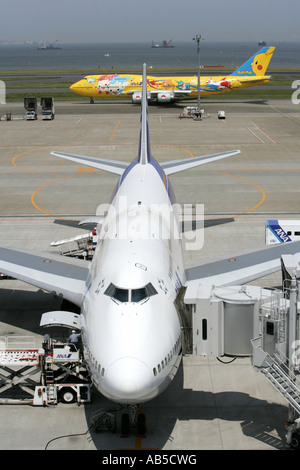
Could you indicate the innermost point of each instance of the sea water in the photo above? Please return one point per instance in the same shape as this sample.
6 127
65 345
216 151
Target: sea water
133 55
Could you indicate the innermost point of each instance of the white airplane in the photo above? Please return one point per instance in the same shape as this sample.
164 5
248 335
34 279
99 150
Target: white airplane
130 328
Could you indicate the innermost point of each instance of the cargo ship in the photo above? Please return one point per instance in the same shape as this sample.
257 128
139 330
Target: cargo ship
162 45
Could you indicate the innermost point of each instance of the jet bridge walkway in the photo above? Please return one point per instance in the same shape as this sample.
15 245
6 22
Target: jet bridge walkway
250 321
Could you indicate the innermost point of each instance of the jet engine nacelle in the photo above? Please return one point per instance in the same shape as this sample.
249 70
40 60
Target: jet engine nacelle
165 97
137 97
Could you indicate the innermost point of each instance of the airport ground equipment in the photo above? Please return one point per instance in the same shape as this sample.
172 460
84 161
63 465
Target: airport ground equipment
247 320
193 112
12 117
30 104
221 115
48 110
80 246
41 376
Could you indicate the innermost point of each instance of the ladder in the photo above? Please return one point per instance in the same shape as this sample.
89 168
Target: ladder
50 386
283 379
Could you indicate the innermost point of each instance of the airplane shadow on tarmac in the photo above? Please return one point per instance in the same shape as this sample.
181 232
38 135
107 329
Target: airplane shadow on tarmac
258 419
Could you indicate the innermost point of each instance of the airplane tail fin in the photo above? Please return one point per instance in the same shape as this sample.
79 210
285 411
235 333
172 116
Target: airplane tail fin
256 65
144 155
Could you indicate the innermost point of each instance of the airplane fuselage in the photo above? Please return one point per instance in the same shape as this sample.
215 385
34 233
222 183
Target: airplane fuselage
118 85
131 330
173 88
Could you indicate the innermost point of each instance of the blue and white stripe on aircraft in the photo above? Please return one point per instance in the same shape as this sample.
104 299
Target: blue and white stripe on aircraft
144 153
278 231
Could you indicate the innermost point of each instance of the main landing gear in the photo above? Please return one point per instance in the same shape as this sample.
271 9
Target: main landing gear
133 419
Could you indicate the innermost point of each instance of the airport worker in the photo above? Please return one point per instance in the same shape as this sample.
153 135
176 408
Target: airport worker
74 339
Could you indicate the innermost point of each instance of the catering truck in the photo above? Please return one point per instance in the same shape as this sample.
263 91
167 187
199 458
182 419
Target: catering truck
47 105
30 104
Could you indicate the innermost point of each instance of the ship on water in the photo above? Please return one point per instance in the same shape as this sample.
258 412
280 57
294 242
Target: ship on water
262 43
162 45
49 46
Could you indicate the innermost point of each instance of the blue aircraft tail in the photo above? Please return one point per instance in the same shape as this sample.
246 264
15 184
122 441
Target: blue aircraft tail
256 65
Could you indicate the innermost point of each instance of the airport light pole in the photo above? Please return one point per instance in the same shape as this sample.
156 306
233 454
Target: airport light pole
197 39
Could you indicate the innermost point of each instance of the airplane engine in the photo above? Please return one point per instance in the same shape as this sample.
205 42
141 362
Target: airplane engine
165 97
137 97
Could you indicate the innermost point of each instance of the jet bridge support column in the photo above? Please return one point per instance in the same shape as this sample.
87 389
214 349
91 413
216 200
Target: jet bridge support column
276 350
292 324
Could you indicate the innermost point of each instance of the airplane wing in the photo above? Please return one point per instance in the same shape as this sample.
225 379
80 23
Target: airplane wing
243 268
112 166
175 166
60 275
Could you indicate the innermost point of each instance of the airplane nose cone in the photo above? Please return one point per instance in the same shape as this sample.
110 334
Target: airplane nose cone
74 86
128 379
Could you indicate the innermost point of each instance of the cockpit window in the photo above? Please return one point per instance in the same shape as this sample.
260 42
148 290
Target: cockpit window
117 293
130 295
121 294
138 294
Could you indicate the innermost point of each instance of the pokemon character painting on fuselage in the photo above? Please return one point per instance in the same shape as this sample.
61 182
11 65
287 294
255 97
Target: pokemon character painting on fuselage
174 88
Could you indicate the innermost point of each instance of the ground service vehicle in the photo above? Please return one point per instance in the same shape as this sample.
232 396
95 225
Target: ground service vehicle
30 104
47 105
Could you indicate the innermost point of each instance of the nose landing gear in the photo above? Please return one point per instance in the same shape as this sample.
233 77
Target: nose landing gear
134 419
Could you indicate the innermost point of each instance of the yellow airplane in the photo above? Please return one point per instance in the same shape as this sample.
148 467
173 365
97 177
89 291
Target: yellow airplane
169 89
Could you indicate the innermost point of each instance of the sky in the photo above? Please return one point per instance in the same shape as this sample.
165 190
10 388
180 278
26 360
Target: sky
79 21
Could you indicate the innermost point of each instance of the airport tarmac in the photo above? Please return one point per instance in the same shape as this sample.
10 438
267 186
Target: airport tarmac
209 405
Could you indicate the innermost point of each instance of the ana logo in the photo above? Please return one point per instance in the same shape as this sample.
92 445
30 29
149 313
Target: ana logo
282 235
64 356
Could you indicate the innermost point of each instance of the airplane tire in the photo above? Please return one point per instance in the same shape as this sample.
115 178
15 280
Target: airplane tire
125 425
141 424
67 395
295 441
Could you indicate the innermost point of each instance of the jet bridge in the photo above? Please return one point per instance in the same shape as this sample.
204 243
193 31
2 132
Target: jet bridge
248 320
